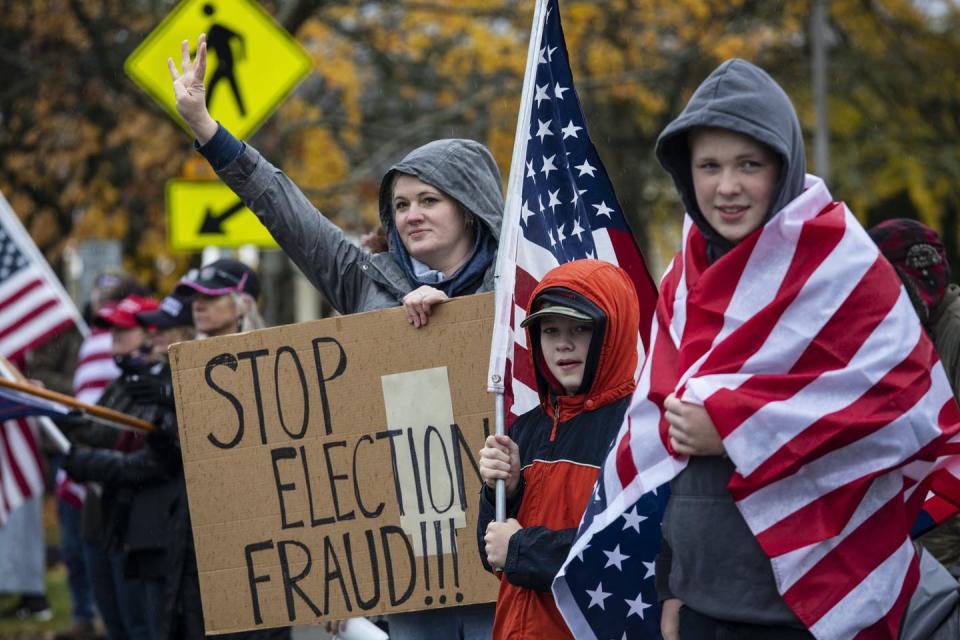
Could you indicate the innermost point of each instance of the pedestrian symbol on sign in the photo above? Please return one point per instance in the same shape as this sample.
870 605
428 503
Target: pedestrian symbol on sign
220 40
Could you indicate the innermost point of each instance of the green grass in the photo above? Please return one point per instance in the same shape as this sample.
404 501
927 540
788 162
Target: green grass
59 597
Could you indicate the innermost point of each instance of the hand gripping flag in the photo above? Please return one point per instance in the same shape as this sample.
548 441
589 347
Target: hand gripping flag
806 352
560 206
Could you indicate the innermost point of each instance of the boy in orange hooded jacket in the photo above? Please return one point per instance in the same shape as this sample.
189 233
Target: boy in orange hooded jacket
581 324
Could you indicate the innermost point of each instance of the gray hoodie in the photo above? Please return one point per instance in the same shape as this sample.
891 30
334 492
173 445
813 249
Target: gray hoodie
711 560
350 278
743 98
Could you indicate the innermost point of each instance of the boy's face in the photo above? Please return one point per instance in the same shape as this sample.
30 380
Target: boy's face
565 343
734 178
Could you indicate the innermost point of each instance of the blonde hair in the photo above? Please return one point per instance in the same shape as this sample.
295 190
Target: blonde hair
250 318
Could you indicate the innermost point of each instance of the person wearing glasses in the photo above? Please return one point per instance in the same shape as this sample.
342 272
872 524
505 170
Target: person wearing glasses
440 207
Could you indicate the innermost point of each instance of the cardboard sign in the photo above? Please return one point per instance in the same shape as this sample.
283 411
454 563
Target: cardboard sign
331 466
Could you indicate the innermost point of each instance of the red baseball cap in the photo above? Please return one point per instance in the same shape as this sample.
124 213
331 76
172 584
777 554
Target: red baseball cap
124 314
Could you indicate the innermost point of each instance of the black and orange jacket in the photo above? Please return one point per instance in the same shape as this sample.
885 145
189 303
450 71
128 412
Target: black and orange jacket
563 443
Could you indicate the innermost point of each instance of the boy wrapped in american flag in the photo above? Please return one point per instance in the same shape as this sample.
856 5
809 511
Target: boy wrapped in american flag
791 381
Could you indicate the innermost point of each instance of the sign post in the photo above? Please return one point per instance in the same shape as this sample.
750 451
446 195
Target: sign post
332 468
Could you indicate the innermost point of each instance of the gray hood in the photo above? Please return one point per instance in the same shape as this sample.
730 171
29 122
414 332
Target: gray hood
740 97
463 169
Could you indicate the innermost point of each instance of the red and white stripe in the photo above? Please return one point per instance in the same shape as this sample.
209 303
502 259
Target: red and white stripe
34 307
21 475
95 367
830 400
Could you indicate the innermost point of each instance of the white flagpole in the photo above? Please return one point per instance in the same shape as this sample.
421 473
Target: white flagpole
25 243
505 273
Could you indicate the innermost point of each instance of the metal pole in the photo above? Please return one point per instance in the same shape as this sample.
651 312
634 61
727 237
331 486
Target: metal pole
500 502
821 140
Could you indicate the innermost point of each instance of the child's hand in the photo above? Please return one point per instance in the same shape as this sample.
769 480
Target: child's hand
692 432
500 459
497 541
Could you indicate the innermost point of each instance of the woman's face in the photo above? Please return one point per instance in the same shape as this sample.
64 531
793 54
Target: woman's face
215 315
431 224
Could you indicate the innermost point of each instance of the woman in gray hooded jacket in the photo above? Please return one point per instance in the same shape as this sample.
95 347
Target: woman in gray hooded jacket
440 208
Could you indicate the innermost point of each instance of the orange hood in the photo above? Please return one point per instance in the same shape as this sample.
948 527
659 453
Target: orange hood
614 363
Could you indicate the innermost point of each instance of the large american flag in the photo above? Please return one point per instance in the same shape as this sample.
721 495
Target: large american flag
560 207
830 400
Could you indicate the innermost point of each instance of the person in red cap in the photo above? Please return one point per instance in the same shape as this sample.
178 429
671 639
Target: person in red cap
119 600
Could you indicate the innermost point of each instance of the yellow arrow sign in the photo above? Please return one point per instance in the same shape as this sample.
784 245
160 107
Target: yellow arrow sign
204 213
252 63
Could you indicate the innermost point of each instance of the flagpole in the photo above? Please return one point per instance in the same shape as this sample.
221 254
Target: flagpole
91 409
506 256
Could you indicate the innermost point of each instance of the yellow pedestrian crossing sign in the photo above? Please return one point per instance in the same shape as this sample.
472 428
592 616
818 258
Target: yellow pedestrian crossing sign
207 213
252 64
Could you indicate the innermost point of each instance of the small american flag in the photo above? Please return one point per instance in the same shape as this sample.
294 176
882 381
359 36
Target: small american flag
560 207
33 308
829 398
21 465
33 304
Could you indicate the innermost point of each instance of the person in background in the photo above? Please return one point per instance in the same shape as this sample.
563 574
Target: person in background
223 299
22 551
919 258
95 369
121 602
140 473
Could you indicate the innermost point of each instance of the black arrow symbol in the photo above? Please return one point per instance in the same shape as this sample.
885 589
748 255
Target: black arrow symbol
214 223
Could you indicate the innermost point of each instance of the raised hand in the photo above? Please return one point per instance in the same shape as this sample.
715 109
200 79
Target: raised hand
190 92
